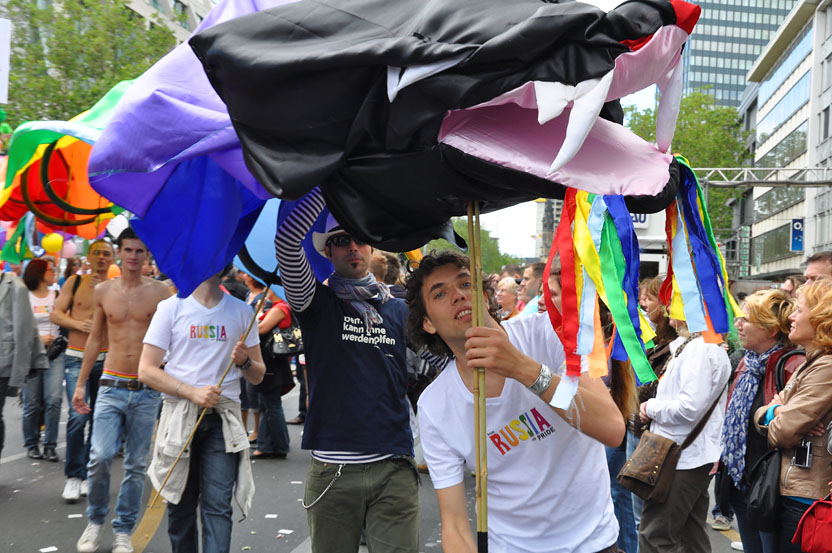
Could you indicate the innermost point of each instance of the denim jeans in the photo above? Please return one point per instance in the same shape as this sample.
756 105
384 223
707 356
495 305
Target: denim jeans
4 385
753 540
272 434
621 501
791 512
638 503
120 413
77 440
211 476
43 392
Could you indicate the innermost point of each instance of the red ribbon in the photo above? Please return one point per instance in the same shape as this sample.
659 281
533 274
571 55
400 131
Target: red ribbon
565 324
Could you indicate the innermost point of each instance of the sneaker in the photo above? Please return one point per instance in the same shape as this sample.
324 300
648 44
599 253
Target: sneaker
721 523
72 490
121 543
90 539
84 488
736 545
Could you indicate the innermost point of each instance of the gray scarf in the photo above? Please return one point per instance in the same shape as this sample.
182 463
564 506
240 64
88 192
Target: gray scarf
357 292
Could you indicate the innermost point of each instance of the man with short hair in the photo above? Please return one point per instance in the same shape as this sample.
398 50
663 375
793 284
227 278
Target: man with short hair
818 265
73 311
362 472
532 279
512 270
548 482
126 409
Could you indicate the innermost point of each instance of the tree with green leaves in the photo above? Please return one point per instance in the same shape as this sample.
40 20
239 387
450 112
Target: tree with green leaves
708 136
492 260
66 54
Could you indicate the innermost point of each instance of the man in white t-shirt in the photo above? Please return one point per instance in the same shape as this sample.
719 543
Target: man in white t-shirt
201 334
548 483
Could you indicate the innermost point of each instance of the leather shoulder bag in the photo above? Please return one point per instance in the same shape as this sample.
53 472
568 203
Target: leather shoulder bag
650 471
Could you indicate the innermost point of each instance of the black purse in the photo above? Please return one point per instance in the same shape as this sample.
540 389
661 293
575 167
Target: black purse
61 341
58 345
764 493
285 342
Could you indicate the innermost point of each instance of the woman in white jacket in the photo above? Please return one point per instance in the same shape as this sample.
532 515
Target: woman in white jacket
695 375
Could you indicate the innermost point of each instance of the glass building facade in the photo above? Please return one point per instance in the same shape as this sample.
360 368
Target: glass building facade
725 42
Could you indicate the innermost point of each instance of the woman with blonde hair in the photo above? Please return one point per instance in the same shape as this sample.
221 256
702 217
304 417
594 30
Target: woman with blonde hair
507 298
795 420
764 333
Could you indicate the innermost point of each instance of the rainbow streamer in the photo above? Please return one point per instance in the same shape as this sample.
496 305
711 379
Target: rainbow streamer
598 251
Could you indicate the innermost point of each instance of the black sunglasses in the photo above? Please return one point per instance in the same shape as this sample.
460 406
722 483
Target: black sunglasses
343 240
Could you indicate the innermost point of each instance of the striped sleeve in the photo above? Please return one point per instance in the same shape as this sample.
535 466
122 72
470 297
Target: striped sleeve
295 272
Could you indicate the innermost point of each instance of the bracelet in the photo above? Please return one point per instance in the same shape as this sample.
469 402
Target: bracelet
543 380
246 364
176 391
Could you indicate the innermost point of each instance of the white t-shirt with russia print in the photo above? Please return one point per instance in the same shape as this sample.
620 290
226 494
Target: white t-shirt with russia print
548 484
199 341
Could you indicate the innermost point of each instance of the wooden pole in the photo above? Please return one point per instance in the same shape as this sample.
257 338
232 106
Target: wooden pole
480 433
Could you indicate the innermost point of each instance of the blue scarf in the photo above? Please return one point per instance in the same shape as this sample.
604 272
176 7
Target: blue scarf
735 428
357 292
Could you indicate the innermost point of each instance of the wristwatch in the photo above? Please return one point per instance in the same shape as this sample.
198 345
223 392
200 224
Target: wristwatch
246 364
542 383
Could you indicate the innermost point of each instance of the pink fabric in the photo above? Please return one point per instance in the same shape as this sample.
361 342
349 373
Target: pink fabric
510 135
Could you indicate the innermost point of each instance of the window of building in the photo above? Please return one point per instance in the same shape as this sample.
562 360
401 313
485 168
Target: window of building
787 149
824 123
772 245
792 101
776 200
798 53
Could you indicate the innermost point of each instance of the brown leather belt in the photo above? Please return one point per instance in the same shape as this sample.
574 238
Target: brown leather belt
129 384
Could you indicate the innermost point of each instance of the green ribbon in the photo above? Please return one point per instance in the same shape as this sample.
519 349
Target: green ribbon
613 268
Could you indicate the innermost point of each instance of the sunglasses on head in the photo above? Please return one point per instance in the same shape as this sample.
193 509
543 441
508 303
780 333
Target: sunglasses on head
343 240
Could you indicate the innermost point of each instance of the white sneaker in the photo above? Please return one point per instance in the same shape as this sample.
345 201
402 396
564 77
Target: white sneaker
736 545
72 490
121 544
84 488
90 539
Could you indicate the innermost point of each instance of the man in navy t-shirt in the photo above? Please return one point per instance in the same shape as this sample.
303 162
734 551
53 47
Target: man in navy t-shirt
361 473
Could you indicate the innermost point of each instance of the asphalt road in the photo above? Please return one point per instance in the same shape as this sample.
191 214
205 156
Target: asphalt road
34 518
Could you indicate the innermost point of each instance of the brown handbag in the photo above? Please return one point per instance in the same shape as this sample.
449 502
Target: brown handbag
650 471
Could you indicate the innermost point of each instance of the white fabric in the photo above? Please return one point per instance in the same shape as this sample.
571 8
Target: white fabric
42 308
175 425
685 392
199 341
548 484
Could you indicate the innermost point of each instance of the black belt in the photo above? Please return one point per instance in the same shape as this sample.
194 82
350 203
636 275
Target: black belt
129 384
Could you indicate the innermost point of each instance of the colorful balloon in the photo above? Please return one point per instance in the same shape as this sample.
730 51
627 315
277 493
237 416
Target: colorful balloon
69 249
52 242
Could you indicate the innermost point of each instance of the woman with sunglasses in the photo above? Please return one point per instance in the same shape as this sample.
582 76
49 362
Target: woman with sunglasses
44 388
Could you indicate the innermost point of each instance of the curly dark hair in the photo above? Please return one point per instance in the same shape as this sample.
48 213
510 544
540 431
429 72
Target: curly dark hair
417 311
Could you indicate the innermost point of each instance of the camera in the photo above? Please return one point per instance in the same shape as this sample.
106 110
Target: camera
803 455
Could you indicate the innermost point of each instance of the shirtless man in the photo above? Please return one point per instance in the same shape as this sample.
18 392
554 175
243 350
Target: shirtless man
73 310
123 309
